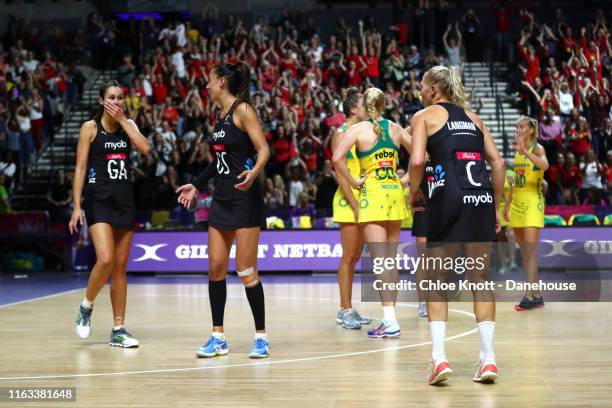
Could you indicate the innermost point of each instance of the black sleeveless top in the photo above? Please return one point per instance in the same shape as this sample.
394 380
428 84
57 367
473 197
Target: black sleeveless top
460 191
232 147
109 158
233 154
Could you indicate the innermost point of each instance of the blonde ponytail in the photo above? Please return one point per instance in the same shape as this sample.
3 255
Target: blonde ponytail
374 104
448 82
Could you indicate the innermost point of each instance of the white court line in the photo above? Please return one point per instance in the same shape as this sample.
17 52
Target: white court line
261 363
41 298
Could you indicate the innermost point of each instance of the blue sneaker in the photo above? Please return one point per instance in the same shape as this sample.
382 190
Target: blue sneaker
385 329
213 347
349 320
362 319
261 348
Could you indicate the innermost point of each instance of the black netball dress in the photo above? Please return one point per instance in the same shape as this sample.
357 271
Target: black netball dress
109 193
233 154
461 206
419 223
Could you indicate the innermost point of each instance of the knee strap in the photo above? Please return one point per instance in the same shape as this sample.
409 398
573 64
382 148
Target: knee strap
246 272
252 284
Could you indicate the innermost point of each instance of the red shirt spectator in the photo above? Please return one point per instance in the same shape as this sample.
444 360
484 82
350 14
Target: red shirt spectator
284 149
580 141
553 173
299 109
171 115
268 77
356 58
335 119
568 42
289 63
210 62
570 177
49 68
159 90
532 61
372 67
502 16
310 147
195 68
61 82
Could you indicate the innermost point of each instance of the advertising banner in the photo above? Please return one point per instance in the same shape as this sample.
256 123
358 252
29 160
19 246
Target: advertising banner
320 250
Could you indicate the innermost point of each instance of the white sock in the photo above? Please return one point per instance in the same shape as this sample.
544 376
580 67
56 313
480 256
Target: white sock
115 328
86 303
389 314
261 336
438 335
218 336
486 330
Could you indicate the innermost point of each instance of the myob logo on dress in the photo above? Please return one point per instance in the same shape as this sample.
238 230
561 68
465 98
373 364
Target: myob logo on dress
115 145
475 200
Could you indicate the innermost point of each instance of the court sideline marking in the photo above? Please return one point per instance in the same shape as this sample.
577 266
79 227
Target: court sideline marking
261 363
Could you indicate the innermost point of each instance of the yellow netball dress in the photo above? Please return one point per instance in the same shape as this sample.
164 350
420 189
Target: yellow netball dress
504 198
381 197
527 207
342 210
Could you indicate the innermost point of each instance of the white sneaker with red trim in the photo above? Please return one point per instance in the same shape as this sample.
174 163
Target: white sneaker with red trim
439 371
487 372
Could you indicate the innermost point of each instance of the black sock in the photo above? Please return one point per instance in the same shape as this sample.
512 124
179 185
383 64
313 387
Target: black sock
255 295
217 293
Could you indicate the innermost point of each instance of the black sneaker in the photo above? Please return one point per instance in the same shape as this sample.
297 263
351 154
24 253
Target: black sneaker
525 304
538 302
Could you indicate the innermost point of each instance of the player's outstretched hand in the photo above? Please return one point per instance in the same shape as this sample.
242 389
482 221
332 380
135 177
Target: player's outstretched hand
187 193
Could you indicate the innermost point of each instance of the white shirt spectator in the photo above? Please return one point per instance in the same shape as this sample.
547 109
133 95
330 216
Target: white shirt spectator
316 53
179 63
146 85
24 123
566 102
295 188
8 169
160 169
592 176
30 66
169 140
163 34
181 38
189 137
36 112
453 56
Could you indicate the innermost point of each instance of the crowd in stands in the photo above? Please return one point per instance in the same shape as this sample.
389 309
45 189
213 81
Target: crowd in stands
38 81
299 77
563 80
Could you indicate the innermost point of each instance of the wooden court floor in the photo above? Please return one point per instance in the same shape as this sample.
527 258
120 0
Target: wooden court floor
559 356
